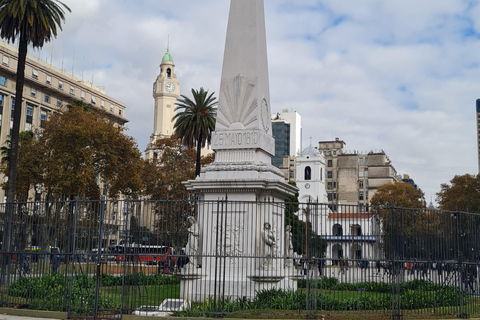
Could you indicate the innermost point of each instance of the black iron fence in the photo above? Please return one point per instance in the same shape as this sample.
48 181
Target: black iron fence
111 258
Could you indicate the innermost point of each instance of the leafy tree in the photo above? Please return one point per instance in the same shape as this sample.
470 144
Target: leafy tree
398 194
461 194
163 176
407 226
195 121
32 22
461 224
28 173
81 148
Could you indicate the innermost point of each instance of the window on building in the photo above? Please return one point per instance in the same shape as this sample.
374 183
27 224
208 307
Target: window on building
82 94
11 116
59 103
337 230
332 196
329 174
72 90
292 163
29 118
1 111
49 79
169 73
308 173
366 172
94 100
291 174
360 184
329 185
360 173
102 103
33 92
5 60
47 98
111 107
329 163
60 84
119 111
43 117
35 74
360 196
3 81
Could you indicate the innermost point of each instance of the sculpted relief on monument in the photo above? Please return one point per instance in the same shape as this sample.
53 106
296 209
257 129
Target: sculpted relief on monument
239 108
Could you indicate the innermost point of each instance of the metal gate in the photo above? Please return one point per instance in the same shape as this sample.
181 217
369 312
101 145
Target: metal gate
108 258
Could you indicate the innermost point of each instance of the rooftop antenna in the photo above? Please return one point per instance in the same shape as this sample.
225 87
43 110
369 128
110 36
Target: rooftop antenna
63 55
83 62
93 70
73 63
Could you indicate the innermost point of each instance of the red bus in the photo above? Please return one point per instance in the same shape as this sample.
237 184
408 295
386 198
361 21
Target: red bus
149 254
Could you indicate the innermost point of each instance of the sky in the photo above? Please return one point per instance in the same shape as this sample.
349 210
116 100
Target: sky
399 75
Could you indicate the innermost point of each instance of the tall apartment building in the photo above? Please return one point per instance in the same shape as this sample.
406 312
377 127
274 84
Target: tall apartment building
286 144
353 178
281 134
478 132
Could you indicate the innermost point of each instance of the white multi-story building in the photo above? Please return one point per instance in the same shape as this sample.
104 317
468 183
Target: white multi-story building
295 121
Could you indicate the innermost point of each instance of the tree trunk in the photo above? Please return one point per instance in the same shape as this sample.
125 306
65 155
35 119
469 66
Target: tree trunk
199 155
12 166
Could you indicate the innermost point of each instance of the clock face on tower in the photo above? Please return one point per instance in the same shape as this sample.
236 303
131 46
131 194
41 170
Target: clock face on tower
169 86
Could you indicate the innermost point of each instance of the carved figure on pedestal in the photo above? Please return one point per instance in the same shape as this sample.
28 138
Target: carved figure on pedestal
268 237
191 249
288 246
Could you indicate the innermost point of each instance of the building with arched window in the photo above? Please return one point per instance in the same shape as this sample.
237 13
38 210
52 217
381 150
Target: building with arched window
310 167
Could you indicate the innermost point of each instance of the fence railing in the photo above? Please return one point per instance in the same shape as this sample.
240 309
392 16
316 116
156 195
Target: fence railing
116 257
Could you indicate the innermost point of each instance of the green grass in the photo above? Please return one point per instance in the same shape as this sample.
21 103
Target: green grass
136 296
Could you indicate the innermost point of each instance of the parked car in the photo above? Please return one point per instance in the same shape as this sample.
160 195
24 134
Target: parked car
168 307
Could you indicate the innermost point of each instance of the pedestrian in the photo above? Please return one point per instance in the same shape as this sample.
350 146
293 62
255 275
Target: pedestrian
439 268
341 263
26 265
378 265
55 263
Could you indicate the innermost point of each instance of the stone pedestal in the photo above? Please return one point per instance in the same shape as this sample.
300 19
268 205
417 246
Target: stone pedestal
241 195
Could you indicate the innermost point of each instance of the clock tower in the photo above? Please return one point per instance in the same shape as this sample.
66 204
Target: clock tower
166 90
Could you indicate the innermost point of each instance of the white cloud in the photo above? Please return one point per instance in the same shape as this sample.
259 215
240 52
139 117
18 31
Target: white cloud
398 75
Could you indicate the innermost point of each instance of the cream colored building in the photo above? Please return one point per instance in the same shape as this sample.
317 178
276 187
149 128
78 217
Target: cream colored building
166 90
353 178
477 123
47 89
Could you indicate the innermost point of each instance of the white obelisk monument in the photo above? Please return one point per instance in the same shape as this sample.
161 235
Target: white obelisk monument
242 238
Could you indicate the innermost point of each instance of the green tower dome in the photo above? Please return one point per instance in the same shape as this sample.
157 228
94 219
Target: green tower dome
167 57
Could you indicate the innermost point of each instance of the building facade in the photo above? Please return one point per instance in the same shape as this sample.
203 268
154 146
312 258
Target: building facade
310 171
295 121
47 89
353 178
166 90
281 134
477 123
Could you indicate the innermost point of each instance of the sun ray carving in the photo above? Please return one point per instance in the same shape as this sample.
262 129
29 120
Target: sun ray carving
238 104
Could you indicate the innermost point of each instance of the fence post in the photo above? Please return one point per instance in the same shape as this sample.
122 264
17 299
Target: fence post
99 256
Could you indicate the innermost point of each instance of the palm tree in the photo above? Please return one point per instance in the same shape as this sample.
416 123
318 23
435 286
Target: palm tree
195 121
32 22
